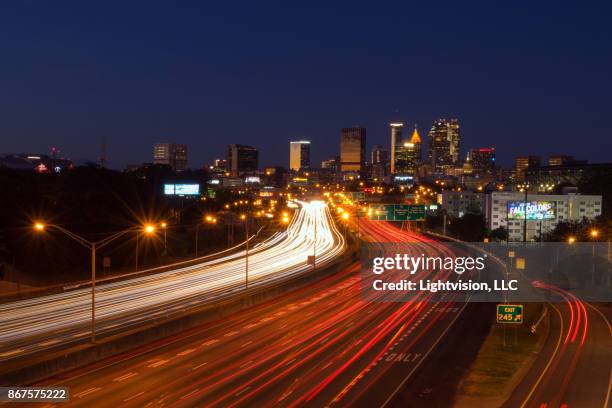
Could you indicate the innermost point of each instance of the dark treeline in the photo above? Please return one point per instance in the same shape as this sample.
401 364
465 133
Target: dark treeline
95 203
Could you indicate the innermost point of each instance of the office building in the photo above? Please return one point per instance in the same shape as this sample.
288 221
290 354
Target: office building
567 173
559 160
544 211
299 155
171 154
459 203
522 163
242 160
397 130
378 163
352 149
444 143
482 160
408 155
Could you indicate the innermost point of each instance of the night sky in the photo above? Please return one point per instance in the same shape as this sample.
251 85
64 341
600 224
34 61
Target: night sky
525 77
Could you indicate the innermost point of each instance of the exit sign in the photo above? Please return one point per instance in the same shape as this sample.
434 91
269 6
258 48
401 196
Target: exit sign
510 314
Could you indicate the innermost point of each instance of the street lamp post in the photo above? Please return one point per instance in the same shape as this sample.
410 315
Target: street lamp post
246 233
93 246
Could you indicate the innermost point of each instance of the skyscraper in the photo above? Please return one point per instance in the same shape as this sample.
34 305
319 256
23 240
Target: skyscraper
242 159
352 149
379 162
397 129
299 155
482 160
444 141
523 163
171 154
408 155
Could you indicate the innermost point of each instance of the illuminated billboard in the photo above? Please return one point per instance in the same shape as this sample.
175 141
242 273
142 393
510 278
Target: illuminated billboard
181 189
536 210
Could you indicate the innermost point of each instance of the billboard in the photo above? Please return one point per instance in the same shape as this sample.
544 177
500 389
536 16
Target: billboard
181 189
536 210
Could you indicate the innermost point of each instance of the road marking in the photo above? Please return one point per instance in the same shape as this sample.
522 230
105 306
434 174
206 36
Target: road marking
190 394
87 392
133 396
124 377
158 363
242 391
200 365
184 353
549 361
418 364
11 353
48 343
603 316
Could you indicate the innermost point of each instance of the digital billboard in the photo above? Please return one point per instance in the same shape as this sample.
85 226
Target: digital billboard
181 189
536 210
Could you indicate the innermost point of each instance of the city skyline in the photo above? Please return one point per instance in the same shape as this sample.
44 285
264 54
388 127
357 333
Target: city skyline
139 87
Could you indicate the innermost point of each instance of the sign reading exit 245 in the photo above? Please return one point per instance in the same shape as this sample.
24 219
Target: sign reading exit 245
510 314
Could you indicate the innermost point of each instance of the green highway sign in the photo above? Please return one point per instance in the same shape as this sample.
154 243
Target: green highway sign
510 314
397 212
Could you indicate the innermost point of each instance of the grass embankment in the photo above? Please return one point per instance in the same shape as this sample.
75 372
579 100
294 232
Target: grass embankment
498 368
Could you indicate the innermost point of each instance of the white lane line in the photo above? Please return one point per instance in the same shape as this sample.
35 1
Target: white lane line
239 393
48 343
10 353
158 363
200 365
190 393
133 396
124 377
87 392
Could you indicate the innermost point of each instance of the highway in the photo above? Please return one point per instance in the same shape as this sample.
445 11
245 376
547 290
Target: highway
574 369
323 345
53 321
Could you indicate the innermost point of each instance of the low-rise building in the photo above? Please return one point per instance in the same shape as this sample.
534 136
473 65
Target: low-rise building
459 203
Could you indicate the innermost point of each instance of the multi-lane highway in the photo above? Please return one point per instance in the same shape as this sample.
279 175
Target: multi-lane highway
326 344
52 321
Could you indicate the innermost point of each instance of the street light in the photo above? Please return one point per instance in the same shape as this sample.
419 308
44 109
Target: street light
148 229
571 240
164 225
594 233
93 246
246 258
209 219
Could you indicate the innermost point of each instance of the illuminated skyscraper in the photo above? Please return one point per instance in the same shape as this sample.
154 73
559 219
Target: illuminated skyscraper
172 154
408 155
352 149
299 155
444 141
397 129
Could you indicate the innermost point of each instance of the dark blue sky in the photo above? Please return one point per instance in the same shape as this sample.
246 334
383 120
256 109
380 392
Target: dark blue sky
526 77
